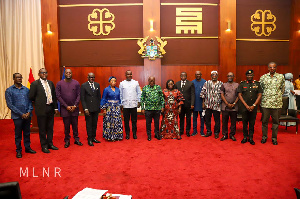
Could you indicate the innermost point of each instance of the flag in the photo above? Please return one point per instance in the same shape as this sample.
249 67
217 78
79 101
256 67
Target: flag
30 78
63 77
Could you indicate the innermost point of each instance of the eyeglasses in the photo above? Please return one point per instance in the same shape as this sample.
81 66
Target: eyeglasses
43 73
91 77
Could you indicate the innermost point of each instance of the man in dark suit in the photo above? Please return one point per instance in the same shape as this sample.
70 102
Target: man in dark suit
90 100
42 93
187 88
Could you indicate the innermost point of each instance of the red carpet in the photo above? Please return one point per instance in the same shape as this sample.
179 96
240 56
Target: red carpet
194 167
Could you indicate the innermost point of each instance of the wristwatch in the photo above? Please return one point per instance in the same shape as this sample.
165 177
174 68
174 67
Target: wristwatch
253 105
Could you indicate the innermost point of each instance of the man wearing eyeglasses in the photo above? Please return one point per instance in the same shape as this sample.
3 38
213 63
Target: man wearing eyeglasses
90 100
42 93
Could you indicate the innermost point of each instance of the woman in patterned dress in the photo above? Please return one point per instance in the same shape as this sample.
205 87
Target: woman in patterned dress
173 101
110 103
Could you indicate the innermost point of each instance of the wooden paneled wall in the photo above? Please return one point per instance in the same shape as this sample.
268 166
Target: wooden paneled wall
50 41
227 46
294 61
227 39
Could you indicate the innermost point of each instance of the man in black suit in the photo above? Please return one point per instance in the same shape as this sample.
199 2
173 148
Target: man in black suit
187 88
90 100
42 93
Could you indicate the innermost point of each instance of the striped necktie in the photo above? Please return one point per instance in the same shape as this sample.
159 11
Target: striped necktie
48 93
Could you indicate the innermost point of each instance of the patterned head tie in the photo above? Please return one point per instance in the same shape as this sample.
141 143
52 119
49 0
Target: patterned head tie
288 76
214 71
111 78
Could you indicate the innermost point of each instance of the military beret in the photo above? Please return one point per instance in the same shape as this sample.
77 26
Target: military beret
249 72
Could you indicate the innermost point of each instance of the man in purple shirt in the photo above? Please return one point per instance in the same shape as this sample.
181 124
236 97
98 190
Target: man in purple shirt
229 107
68 94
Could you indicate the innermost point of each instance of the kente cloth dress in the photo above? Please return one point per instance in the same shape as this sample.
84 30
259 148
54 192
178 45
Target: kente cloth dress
112 121
169 123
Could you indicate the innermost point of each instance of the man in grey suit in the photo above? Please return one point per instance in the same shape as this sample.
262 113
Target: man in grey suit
42 93
187 88
90 100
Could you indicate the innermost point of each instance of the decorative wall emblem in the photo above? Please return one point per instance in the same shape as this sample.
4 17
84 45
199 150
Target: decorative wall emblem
189 19
263 22
101 22
152 51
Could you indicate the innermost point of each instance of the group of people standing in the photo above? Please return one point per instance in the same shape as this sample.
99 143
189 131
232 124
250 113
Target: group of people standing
183 98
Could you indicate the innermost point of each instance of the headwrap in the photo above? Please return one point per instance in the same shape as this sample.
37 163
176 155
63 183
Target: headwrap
111 78
288 76
214 71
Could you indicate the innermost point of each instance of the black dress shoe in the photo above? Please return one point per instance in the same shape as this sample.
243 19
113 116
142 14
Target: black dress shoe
233 138
96 141
45 150
217 136
244 140
19 155
90 143
78 143
274 142
188 134
207 135
149 138
252 142
53 147
127 136
29 150
195 133
67 144
263 141
134 136
224 138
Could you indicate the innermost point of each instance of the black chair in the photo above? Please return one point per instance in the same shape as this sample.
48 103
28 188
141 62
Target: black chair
288 115
297 193
239 113
10 190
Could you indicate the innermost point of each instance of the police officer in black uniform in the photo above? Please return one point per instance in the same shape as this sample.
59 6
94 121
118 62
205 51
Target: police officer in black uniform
249 93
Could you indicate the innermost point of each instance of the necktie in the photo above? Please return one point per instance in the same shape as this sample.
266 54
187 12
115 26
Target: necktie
183 85
48 93
92 86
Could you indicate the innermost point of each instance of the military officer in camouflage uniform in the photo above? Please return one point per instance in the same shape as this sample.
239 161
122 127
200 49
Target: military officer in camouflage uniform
249 93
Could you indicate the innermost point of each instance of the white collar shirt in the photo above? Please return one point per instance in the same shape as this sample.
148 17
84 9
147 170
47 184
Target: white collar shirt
130 93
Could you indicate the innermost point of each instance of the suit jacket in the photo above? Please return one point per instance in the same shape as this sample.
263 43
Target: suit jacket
37 94
188 92
90 99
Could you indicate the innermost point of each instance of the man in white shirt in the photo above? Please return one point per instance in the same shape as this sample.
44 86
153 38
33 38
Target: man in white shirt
130 94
